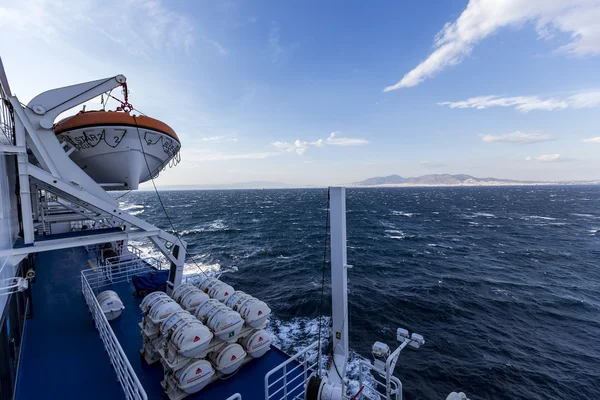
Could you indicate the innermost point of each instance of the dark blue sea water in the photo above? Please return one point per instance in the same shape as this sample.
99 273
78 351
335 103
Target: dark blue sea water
503 283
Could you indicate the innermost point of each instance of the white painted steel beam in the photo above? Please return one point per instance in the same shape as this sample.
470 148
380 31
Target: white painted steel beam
339 285
57 244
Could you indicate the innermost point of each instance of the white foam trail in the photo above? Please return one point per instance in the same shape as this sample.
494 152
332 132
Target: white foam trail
402 213
529 217
294 335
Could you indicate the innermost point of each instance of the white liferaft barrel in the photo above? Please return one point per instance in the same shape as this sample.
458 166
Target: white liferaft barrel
234 298
162 309
194 376
193 299
255 312
240 301
181 290
226 324
151 299
111 304
173 321
229 358
191 338
257 344
205 309
206 283
220 291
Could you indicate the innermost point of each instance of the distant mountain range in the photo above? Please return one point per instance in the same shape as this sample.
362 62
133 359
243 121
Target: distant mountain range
239 185
454 180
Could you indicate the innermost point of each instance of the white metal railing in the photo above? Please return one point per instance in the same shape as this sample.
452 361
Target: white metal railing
121 269
236 396
375 387
129 381
306 359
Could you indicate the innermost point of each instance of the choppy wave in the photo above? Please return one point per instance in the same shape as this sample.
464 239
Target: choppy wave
502 282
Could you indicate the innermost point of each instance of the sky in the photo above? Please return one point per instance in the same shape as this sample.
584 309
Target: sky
323 93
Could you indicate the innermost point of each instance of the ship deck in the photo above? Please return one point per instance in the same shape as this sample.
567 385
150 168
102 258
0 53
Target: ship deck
63 355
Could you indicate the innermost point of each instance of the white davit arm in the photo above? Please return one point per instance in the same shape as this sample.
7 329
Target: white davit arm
51 104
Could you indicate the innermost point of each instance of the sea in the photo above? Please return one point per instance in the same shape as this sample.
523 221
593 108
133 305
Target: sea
502 282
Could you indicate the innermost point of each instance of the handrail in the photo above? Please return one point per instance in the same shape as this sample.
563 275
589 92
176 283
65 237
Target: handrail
129 381
393 391
120 270
236 396
306 367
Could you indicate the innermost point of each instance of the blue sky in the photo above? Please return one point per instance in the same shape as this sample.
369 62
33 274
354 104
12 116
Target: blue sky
312 92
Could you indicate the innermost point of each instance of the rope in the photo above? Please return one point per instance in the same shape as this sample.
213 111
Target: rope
358 393
323 270
160 199
124 194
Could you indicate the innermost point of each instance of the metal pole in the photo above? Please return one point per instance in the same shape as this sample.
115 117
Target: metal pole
339 286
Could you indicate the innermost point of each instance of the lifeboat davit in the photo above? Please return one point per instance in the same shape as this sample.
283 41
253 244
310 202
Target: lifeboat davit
118 150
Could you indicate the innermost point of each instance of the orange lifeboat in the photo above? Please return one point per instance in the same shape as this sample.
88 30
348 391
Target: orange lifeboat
118 150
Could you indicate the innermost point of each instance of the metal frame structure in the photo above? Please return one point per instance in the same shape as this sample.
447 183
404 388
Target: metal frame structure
49 169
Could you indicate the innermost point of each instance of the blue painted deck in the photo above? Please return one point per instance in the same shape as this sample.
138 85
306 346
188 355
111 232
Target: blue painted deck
63 356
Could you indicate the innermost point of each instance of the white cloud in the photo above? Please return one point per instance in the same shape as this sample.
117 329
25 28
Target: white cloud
226 157
547 158
276 49
583 99
482 18
163 29
217 139
299 146
517 137
338 141
222 50
592 140
528 158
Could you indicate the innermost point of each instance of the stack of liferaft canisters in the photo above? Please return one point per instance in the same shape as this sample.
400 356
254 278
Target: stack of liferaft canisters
201 333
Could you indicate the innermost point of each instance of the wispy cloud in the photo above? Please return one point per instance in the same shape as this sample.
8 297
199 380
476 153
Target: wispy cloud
335 140
545 158
517 137
432 164
222 50
226 157
592 140
274 45
218 139
300 146
162 29
483 18
583 99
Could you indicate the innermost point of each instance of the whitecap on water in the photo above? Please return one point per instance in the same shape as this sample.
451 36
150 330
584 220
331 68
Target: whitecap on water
402 213
130 206
294 335
485 215
530 217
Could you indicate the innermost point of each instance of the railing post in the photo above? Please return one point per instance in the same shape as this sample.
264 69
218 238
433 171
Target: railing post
305 367
285 382
360 379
